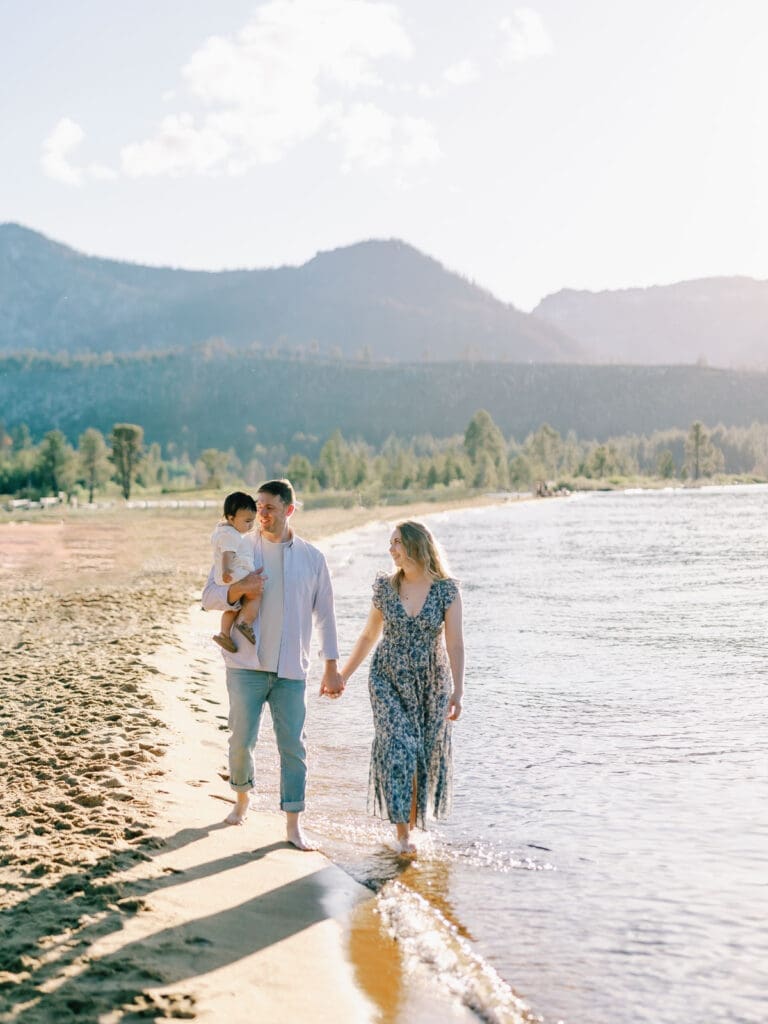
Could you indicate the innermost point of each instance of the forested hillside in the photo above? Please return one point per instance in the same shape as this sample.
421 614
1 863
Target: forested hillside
222 399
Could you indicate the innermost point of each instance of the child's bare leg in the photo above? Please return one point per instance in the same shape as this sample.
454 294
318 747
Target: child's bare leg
249 610
228 621
223 639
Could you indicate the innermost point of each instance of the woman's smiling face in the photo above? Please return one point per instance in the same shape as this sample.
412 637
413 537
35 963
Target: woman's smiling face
397 549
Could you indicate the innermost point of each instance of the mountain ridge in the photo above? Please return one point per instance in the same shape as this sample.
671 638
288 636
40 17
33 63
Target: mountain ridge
378 298
722 321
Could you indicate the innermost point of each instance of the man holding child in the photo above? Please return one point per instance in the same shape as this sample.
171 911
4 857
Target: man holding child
291 578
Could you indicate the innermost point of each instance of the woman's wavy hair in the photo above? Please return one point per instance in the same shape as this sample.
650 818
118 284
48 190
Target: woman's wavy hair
422 547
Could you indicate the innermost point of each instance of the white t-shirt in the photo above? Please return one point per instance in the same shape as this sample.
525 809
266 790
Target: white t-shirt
272 606
227 538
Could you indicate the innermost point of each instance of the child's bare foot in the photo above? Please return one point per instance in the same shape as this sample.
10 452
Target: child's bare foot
240 811
294 834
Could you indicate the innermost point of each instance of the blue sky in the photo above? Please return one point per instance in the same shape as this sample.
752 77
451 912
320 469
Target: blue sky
566 143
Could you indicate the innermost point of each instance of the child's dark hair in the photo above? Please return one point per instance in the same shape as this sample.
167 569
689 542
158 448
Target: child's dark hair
237 500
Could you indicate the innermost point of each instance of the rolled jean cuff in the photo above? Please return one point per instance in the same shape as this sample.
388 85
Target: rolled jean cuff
293 806
241 787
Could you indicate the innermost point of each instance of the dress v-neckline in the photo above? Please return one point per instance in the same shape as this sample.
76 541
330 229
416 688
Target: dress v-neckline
423 606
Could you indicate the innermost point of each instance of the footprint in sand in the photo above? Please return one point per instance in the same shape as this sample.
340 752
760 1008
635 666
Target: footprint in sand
170 1005
89 799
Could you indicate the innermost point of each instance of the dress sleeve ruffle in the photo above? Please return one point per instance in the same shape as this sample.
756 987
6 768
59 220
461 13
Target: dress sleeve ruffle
380 585
450 591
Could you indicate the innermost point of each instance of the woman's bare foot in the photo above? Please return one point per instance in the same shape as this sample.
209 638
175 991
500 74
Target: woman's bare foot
294 834
405 847
240 811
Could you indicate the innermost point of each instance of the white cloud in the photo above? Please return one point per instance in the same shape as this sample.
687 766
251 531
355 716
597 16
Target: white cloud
373 138
461 73
291 45
525 35
178 146
58 149
294 73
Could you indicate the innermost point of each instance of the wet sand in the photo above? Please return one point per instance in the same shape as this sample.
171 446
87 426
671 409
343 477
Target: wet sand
124 897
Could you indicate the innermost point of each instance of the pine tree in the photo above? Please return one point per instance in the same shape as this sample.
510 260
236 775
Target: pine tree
126 441
93 454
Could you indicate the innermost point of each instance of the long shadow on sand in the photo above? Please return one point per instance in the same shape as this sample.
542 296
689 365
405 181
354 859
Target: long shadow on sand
46 974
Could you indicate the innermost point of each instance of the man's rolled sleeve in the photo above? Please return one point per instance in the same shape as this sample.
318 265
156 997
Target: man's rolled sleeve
325 614
216 596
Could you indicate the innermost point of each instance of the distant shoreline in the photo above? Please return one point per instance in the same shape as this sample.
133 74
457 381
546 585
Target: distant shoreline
207 507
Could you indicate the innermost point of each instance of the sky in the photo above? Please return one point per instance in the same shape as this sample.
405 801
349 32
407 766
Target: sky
591 144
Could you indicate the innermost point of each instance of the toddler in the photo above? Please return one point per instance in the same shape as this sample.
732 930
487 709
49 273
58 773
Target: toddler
232 560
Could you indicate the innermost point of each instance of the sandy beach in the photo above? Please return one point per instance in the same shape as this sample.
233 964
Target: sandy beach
124 897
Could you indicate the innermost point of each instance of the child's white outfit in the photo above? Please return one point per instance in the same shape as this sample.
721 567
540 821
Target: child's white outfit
227 538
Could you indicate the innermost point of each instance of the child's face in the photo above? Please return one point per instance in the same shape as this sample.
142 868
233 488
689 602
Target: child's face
242 520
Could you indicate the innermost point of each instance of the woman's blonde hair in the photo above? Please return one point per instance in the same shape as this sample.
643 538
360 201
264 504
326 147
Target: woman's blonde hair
422 547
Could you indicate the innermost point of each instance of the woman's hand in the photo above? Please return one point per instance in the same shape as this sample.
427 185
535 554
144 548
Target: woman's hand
332 684
455 707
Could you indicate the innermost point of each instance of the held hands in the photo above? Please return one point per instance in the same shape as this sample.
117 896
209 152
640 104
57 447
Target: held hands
227 577
332 684
455 707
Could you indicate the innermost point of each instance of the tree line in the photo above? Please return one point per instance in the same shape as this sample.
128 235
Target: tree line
212 397
482 458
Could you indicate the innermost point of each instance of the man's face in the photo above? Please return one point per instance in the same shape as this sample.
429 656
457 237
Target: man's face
272 512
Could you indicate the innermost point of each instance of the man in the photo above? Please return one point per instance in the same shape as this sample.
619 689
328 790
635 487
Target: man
292 579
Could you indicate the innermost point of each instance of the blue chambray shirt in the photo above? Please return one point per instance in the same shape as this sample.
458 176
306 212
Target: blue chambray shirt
307 594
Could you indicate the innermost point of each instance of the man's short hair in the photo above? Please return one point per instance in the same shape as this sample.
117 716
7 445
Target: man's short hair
282 489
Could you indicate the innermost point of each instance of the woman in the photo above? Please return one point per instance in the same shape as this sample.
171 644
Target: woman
415 695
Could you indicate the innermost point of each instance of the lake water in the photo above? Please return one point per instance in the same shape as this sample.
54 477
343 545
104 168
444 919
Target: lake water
607 857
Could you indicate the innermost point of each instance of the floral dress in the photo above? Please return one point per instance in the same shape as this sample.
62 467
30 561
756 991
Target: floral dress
410 685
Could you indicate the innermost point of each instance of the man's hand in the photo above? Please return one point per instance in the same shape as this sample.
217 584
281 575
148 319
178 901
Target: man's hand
332 683
250 586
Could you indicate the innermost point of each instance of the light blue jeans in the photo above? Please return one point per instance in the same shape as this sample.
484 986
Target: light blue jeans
249 690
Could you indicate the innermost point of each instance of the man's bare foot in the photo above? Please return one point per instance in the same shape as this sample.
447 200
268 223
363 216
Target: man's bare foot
240 811
293 832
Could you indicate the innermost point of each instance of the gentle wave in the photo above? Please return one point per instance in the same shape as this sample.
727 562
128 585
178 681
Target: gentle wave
431 945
